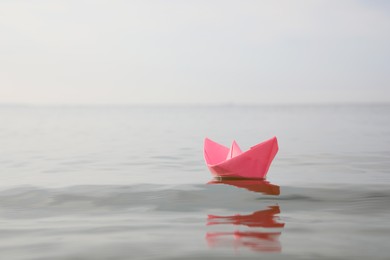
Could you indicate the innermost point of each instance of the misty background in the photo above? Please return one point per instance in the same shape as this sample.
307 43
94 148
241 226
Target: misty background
198 52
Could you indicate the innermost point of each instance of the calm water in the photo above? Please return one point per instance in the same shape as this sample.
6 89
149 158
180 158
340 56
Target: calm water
131 183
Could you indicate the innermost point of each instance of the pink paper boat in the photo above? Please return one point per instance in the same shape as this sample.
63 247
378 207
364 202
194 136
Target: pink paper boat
233 163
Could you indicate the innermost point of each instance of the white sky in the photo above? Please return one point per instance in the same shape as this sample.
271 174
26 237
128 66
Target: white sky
201 51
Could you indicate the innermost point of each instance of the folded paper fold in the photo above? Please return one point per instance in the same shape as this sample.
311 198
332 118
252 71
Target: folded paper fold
234 151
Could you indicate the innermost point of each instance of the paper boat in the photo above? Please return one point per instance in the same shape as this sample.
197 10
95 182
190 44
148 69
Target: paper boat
233 163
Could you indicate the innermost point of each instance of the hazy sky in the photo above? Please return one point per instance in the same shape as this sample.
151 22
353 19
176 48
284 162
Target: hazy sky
167 51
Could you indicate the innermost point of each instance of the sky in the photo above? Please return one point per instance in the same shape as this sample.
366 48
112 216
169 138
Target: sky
194 52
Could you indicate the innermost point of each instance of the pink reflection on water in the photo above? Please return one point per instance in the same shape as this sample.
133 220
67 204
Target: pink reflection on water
258 241
264 240
255 185
262 218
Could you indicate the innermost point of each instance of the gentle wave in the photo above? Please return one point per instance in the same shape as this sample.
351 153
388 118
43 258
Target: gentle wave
178 198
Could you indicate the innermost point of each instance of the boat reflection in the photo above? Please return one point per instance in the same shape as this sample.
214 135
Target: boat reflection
258 241
262 218
255 185
260 230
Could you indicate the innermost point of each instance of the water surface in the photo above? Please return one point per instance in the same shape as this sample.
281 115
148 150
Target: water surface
130 183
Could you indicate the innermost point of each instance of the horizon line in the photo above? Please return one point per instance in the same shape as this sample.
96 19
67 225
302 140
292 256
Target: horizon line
191 104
